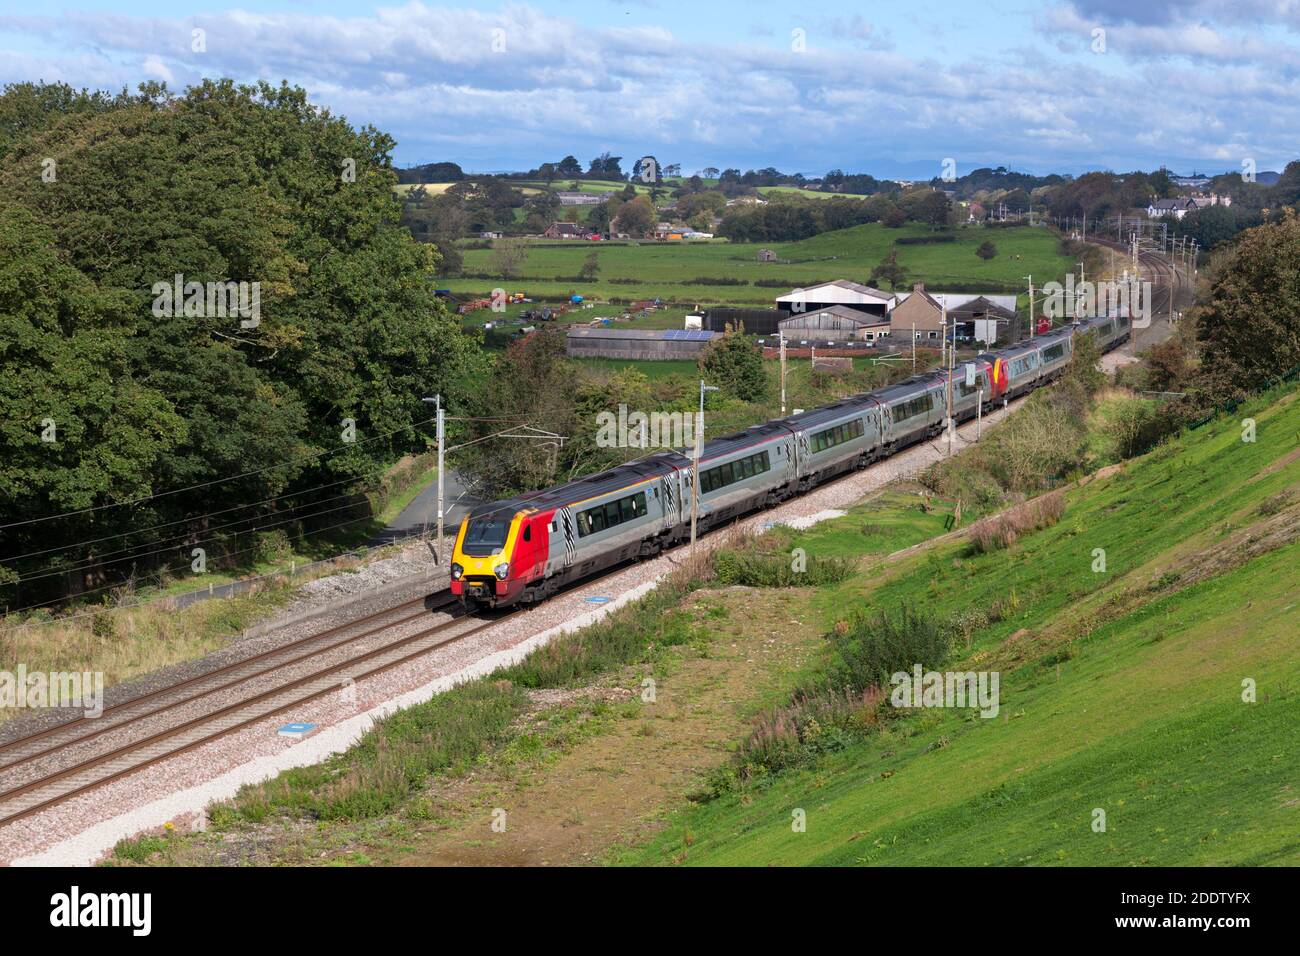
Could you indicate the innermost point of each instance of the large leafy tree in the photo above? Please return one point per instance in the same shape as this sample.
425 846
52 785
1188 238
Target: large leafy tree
1249 330
225 183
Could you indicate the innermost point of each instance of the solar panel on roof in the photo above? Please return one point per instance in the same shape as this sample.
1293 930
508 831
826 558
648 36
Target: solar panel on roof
688 335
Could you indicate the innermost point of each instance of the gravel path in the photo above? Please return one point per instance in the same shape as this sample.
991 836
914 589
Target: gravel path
83 829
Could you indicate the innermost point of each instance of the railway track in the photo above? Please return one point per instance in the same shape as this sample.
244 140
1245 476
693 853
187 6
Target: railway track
147 746
1169 288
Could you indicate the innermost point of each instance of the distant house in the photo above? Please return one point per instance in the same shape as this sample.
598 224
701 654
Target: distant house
571 198
489 235
972 316
1178 207
837 292
564 230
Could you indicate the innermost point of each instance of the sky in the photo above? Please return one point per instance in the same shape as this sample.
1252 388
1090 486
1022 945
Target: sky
889 88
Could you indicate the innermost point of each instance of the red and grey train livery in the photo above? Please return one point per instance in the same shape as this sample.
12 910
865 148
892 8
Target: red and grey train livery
523 549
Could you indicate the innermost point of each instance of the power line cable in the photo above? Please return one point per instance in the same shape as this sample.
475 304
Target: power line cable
215 481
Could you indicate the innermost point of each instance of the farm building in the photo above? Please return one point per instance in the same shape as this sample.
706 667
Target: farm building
637 343
571 198
976 317
836 323
565 230
755 321
854 295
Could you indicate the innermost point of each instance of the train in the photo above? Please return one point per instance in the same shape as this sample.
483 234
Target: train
524 549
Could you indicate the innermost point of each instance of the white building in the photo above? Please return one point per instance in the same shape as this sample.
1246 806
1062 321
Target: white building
863 298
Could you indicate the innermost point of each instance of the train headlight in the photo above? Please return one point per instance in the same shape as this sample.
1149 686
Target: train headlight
456 572
502 571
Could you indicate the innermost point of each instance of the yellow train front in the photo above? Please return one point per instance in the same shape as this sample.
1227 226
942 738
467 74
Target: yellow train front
499 552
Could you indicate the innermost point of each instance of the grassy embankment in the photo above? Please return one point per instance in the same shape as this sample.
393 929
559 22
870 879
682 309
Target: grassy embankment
1121 690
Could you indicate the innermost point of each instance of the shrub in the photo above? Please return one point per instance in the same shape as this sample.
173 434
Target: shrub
925 240
869 648
813 723
765 570
1002 530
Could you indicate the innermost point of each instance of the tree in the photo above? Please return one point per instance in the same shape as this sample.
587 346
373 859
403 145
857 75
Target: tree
535 379
568 168
935 208
890 270
509 256
987 250
734 363
1249 330
225 184
638 217
710 172
590 266
894 217
606 166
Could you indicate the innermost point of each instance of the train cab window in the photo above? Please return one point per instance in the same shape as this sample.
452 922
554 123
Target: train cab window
528 532
484 536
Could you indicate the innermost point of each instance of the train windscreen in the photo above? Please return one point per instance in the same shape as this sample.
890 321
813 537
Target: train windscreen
485 536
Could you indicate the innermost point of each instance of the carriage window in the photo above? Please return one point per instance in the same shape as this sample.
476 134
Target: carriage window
731 472
838 435
611 513
910 409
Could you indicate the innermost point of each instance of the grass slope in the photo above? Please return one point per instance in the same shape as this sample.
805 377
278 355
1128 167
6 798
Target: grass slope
1121 691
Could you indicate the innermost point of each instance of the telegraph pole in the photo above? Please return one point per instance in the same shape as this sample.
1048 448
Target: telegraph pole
441 435
699 452
951 365
1032 323
781 340
914 348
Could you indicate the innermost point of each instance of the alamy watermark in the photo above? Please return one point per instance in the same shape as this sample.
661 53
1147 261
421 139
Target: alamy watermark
82 690
641 430
962 689
210 300
1097 299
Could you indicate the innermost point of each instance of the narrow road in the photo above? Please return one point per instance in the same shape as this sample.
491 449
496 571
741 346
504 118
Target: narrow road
422 512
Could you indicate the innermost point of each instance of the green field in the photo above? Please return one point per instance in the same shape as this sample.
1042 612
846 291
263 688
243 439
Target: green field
1121 690
660 269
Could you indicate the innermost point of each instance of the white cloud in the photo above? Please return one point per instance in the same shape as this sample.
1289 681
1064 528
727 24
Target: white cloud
431 77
